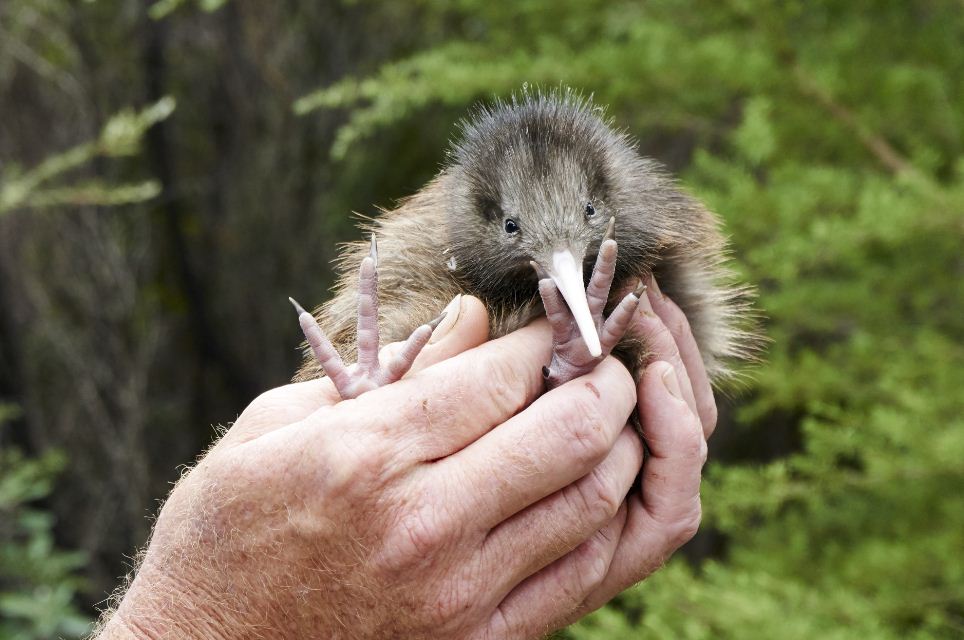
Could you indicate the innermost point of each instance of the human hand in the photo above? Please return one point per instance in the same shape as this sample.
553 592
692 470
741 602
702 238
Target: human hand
456 503
678 414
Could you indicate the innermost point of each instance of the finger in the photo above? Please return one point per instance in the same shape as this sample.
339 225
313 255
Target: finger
541 534
457 332
466 325
553 443
661 344
671 474
279 407
667 512
675 320
547 600
444 407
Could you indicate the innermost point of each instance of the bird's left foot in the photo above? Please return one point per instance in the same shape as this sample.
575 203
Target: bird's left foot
570 355
368 374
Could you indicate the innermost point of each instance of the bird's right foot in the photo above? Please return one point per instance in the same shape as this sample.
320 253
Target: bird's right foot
368 373
570 355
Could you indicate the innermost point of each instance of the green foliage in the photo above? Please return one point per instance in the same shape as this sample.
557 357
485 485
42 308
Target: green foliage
828 136
164 8
38 581
121 136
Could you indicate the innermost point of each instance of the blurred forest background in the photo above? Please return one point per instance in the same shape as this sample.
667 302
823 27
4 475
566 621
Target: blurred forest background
171 170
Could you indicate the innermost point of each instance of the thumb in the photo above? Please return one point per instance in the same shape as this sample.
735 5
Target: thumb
466 325
677 448
665 416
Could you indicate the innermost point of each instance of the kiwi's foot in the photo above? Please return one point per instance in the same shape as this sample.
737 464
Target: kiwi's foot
368 374
570 355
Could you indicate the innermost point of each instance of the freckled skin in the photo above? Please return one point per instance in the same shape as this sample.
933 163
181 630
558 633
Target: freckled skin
526 178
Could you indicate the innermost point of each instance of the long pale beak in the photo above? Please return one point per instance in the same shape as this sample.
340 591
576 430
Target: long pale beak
566 273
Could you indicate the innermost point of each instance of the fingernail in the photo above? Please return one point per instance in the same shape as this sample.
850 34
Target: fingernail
654 287
640 289
645 306
452 312
671 382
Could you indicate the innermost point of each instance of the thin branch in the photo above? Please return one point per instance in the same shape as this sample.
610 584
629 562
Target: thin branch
889 157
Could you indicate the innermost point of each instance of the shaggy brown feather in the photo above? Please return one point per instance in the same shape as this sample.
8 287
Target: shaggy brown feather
539 159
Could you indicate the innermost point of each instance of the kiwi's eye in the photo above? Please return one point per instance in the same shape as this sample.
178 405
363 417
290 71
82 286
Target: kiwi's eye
511 226
590 210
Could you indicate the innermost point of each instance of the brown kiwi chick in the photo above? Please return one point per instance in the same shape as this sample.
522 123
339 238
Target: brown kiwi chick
525 204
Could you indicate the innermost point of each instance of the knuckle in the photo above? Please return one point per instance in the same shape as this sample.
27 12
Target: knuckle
417 536
353 466
595 566
709 413
269 398
271 406
678 325
451 603
505 386
690 441
599 496
421 536
585 426
687 525
591 566
662 342
622 384
498 627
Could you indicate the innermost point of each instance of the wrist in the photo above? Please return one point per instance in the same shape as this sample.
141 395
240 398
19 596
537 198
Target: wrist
158 606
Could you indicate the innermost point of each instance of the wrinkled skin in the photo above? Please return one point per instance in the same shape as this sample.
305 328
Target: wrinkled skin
459 502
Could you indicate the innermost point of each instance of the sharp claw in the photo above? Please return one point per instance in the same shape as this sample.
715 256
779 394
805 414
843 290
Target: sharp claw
437 321
610 230
373 251
640 289
325 353
297 306
540 272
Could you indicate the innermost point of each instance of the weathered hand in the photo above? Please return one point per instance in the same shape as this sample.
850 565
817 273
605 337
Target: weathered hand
678 413
454 503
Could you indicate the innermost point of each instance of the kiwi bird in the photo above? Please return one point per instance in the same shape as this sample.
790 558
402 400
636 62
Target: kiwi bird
542 207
